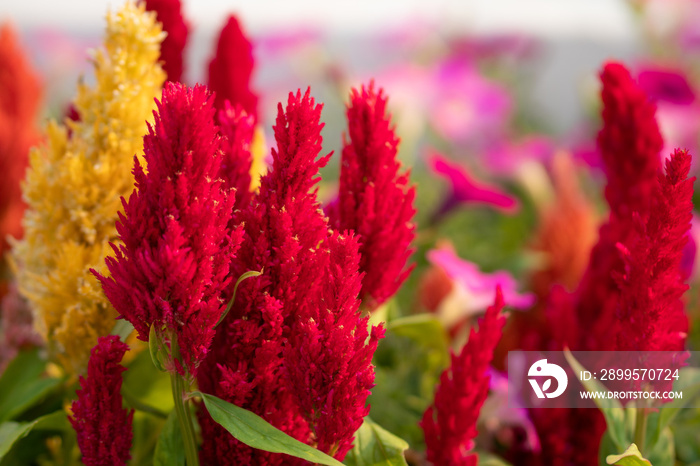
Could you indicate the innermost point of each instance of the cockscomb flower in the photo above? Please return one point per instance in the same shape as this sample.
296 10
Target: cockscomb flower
449 425
171 269
330 353
651 311
294 348
20 95
238 129
231 68
74 185
169 14
103 426
283 228
374 199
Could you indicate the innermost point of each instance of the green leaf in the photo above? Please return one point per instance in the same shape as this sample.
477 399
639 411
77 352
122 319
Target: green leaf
689 384
21 385
611 408
631 457
154 347
248 274
122 329
489 459
375 446
425 329
11 432
256 432
170 449
146 386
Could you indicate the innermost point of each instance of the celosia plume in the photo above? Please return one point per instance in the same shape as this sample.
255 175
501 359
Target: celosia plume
169 14
238 129
74 185
102 425
449 425
171 269
304 304
374 199
20 95
651 312
588 319
231 68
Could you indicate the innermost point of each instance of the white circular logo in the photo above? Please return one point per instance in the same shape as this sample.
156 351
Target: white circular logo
541 369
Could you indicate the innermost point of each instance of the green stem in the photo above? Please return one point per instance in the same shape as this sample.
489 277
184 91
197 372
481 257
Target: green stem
640 428
183 416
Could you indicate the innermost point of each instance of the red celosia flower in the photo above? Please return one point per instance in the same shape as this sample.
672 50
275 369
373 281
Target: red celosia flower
374 199
102 425
171 270
329 355
651 313
169 14
237 127
588 320
231 68
304 304
20 96
449 425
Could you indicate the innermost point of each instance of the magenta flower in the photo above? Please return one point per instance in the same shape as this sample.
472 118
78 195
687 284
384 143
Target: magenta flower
169 14
374 198
171 269
449 425
102 425
477 287
464 189
231 68
666 85
506 158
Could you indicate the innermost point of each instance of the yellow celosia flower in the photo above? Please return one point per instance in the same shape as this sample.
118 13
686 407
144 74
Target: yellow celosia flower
74 185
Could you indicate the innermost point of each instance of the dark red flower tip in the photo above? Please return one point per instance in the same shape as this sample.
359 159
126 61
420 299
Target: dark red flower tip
103 427
169 14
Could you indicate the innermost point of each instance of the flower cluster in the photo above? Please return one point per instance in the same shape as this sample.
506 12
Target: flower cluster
449 424
374 199
294 348
102 425
74 186
171 269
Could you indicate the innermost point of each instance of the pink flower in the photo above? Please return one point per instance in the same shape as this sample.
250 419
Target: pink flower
102 425
375 199
449 425
171 269
231 68
169 14
651 312
464 189
478 286
508 157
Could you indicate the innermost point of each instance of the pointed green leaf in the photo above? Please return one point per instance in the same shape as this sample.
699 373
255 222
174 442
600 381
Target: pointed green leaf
154 347
375 446
11 432
611 408
248 274
22 384
631 457
170 449
256 432
122 329
689 384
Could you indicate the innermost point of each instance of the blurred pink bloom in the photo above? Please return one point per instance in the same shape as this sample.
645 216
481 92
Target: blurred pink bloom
506 157
465 189
465 104
515 46
666 85
478 285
